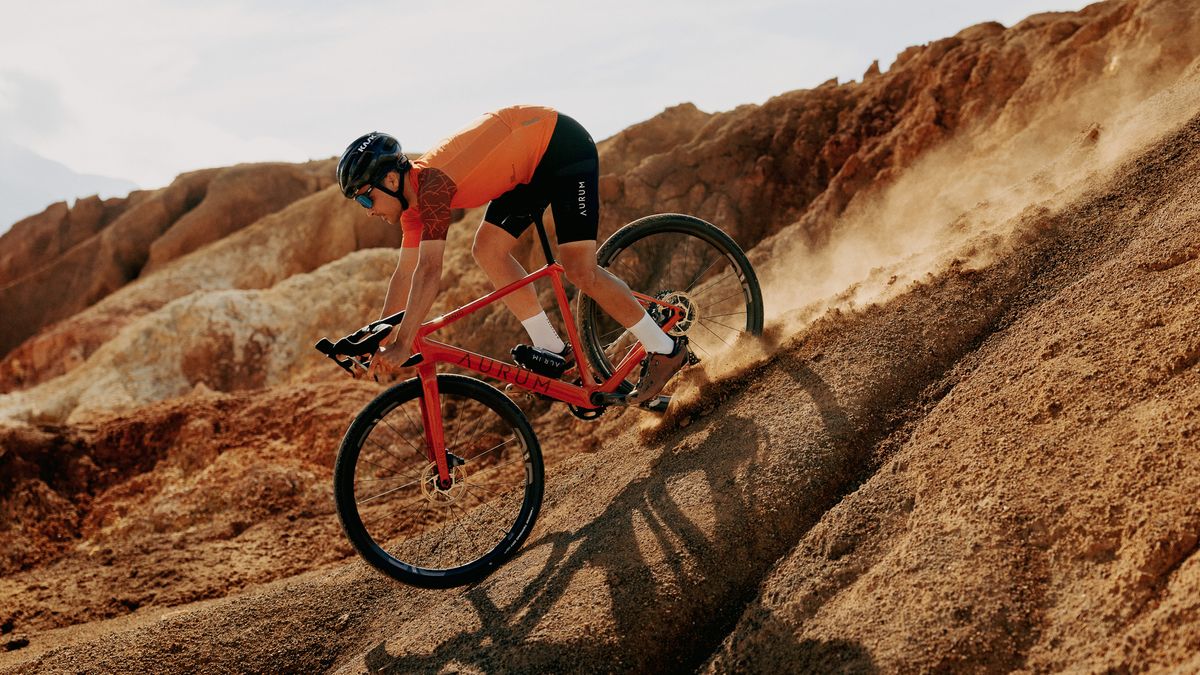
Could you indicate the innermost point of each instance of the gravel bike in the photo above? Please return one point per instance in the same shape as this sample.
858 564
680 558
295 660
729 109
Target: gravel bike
439 479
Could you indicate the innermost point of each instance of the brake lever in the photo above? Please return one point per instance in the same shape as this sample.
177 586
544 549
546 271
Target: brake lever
363 362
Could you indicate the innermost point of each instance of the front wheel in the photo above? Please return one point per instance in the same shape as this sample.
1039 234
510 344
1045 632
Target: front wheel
684 261
394 511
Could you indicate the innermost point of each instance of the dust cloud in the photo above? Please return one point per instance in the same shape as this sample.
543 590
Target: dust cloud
964 201
960 206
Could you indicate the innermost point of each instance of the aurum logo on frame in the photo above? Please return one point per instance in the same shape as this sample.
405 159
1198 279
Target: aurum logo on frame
507 372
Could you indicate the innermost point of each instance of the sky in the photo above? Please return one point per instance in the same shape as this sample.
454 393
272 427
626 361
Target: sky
144 90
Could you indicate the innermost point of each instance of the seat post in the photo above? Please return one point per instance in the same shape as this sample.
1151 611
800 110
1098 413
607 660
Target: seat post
541 230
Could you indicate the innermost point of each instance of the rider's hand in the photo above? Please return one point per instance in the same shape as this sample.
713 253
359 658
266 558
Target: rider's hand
386 362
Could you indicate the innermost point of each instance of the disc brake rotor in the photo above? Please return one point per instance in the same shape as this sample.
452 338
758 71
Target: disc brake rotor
679 299
436 495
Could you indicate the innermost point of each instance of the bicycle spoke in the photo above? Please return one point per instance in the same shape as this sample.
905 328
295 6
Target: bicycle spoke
709 320
388 492
492 449
494 492
493 509
446 528
692 243
372 480
619 329
706 287
624 266
460 526
387 477
479 421
712 316
415 426
384 450
478 428
728 297
715 335
471 518
476 514
402 436
408 505
505 464
701 274
612 344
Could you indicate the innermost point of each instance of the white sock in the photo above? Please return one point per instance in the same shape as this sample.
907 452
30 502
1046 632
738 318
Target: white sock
543 334
652 336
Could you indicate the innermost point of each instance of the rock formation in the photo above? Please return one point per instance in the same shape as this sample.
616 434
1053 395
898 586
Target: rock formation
967 443
78 258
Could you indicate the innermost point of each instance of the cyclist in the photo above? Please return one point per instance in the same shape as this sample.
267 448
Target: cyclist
520 159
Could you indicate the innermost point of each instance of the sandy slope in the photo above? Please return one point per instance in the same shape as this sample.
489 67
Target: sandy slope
968 442
1041 514
945 480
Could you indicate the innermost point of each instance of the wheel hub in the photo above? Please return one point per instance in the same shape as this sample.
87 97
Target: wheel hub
440 495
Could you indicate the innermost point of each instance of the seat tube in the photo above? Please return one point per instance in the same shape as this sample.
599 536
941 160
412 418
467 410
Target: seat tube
564 307
431 419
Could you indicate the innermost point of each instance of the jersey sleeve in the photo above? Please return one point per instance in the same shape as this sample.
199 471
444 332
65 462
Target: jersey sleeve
434 192
411 227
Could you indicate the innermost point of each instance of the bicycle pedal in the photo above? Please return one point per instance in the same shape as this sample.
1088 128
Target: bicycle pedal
658 404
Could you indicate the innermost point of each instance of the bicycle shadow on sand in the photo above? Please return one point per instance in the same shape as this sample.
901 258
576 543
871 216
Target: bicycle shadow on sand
671 614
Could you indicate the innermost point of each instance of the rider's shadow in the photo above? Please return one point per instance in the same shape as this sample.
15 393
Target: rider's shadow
688 564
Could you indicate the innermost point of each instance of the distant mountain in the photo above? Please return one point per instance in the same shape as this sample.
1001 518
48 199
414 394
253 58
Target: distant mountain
30 183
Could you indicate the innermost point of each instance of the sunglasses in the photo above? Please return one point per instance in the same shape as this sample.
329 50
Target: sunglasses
364 200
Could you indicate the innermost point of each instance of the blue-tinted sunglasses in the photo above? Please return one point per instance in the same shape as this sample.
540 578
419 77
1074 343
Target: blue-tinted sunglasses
364 200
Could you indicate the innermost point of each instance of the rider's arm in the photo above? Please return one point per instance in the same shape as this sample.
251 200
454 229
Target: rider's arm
426 282
433 208
397 293
435 193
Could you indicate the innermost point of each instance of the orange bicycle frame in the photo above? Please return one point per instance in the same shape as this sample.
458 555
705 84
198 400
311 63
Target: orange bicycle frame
433 352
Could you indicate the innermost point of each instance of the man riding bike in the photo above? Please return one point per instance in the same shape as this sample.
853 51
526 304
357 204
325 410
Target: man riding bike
520 159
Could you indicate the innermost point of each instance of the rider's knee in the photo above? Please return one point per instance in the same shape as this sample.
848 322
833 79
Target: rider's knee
480 251
583 275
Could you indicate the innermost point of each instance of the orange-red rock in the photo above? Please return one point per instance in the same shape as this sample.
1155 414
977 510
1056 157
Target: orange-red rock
977 454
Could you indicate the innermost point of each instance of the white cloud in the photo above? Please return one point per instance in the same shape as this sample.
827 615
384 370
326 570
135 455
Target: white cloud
146 89
29 105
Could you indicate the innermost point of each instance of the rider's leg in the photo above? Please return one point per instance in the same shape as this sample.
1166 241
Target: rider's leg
574 196
612 294
493 251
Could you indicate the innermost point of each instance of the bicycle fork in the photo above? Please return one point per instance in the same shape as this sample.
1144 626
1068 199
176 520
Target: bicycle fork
431 419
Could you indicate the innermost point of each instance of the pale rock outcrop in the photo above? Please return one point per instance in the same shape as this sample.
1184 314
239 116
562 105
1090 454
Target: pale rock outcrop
224 339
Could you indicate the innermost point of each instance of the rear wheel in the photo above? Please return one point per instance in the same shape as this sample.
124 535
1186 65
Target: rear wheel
685 261
407 525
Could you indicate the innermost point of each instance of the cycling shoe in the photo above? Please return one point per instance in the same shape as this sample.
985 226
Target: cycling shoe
543 361
657 370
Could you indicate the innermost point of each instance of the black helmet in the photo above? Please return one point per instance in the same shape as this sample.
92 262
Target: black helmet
367 159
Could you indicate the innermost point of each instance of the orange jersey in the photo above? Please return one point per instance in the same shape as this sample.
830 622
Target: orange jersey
491 156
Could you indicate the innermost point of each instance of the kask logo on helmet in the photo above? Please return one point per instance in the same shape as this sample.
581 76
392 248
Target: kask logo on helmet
363 146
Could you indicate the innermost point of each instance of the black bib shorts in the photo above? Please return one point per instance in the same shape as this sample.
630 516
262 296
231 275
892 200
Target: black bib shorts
566 179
